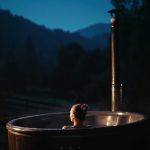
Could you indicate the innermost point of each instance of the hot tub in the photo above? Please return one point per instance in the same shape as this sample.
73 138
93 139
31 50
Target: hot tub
106 128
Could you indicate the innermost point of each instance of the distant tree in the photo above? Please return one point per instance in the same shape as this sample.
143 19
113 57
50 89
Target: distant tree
11 61
8 68
30 61
71 55
70 58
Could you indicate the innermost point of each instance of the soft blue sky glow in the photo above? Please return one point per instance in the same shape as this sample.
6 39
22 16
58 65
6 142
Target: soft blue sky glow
69 15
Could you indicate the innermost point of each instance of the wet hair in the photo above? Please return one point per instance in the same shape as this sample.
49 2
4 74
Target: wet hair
80 110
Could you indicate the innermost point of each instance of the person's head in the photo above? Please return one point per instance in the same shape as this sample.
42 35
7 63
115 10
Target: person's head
78 112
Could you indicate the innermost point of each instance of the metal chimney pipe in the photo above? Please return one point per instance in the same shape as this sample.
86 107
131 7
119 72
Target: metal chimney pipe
115 61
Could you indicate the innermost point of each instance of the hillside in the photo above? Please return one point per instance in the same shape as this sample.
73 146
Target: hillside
16 30
98 32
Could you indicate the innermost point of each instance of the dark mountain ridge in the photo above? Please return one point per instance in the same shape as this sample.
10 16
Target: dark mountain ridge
15 30
28 50
99 33
95 30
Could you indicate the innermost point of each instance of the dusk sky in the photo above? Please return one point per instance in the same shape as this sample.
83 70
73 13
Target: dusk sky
69 15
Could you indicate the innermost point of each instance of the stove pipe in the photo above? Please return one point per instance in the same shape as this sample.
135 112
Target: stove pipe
116 86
